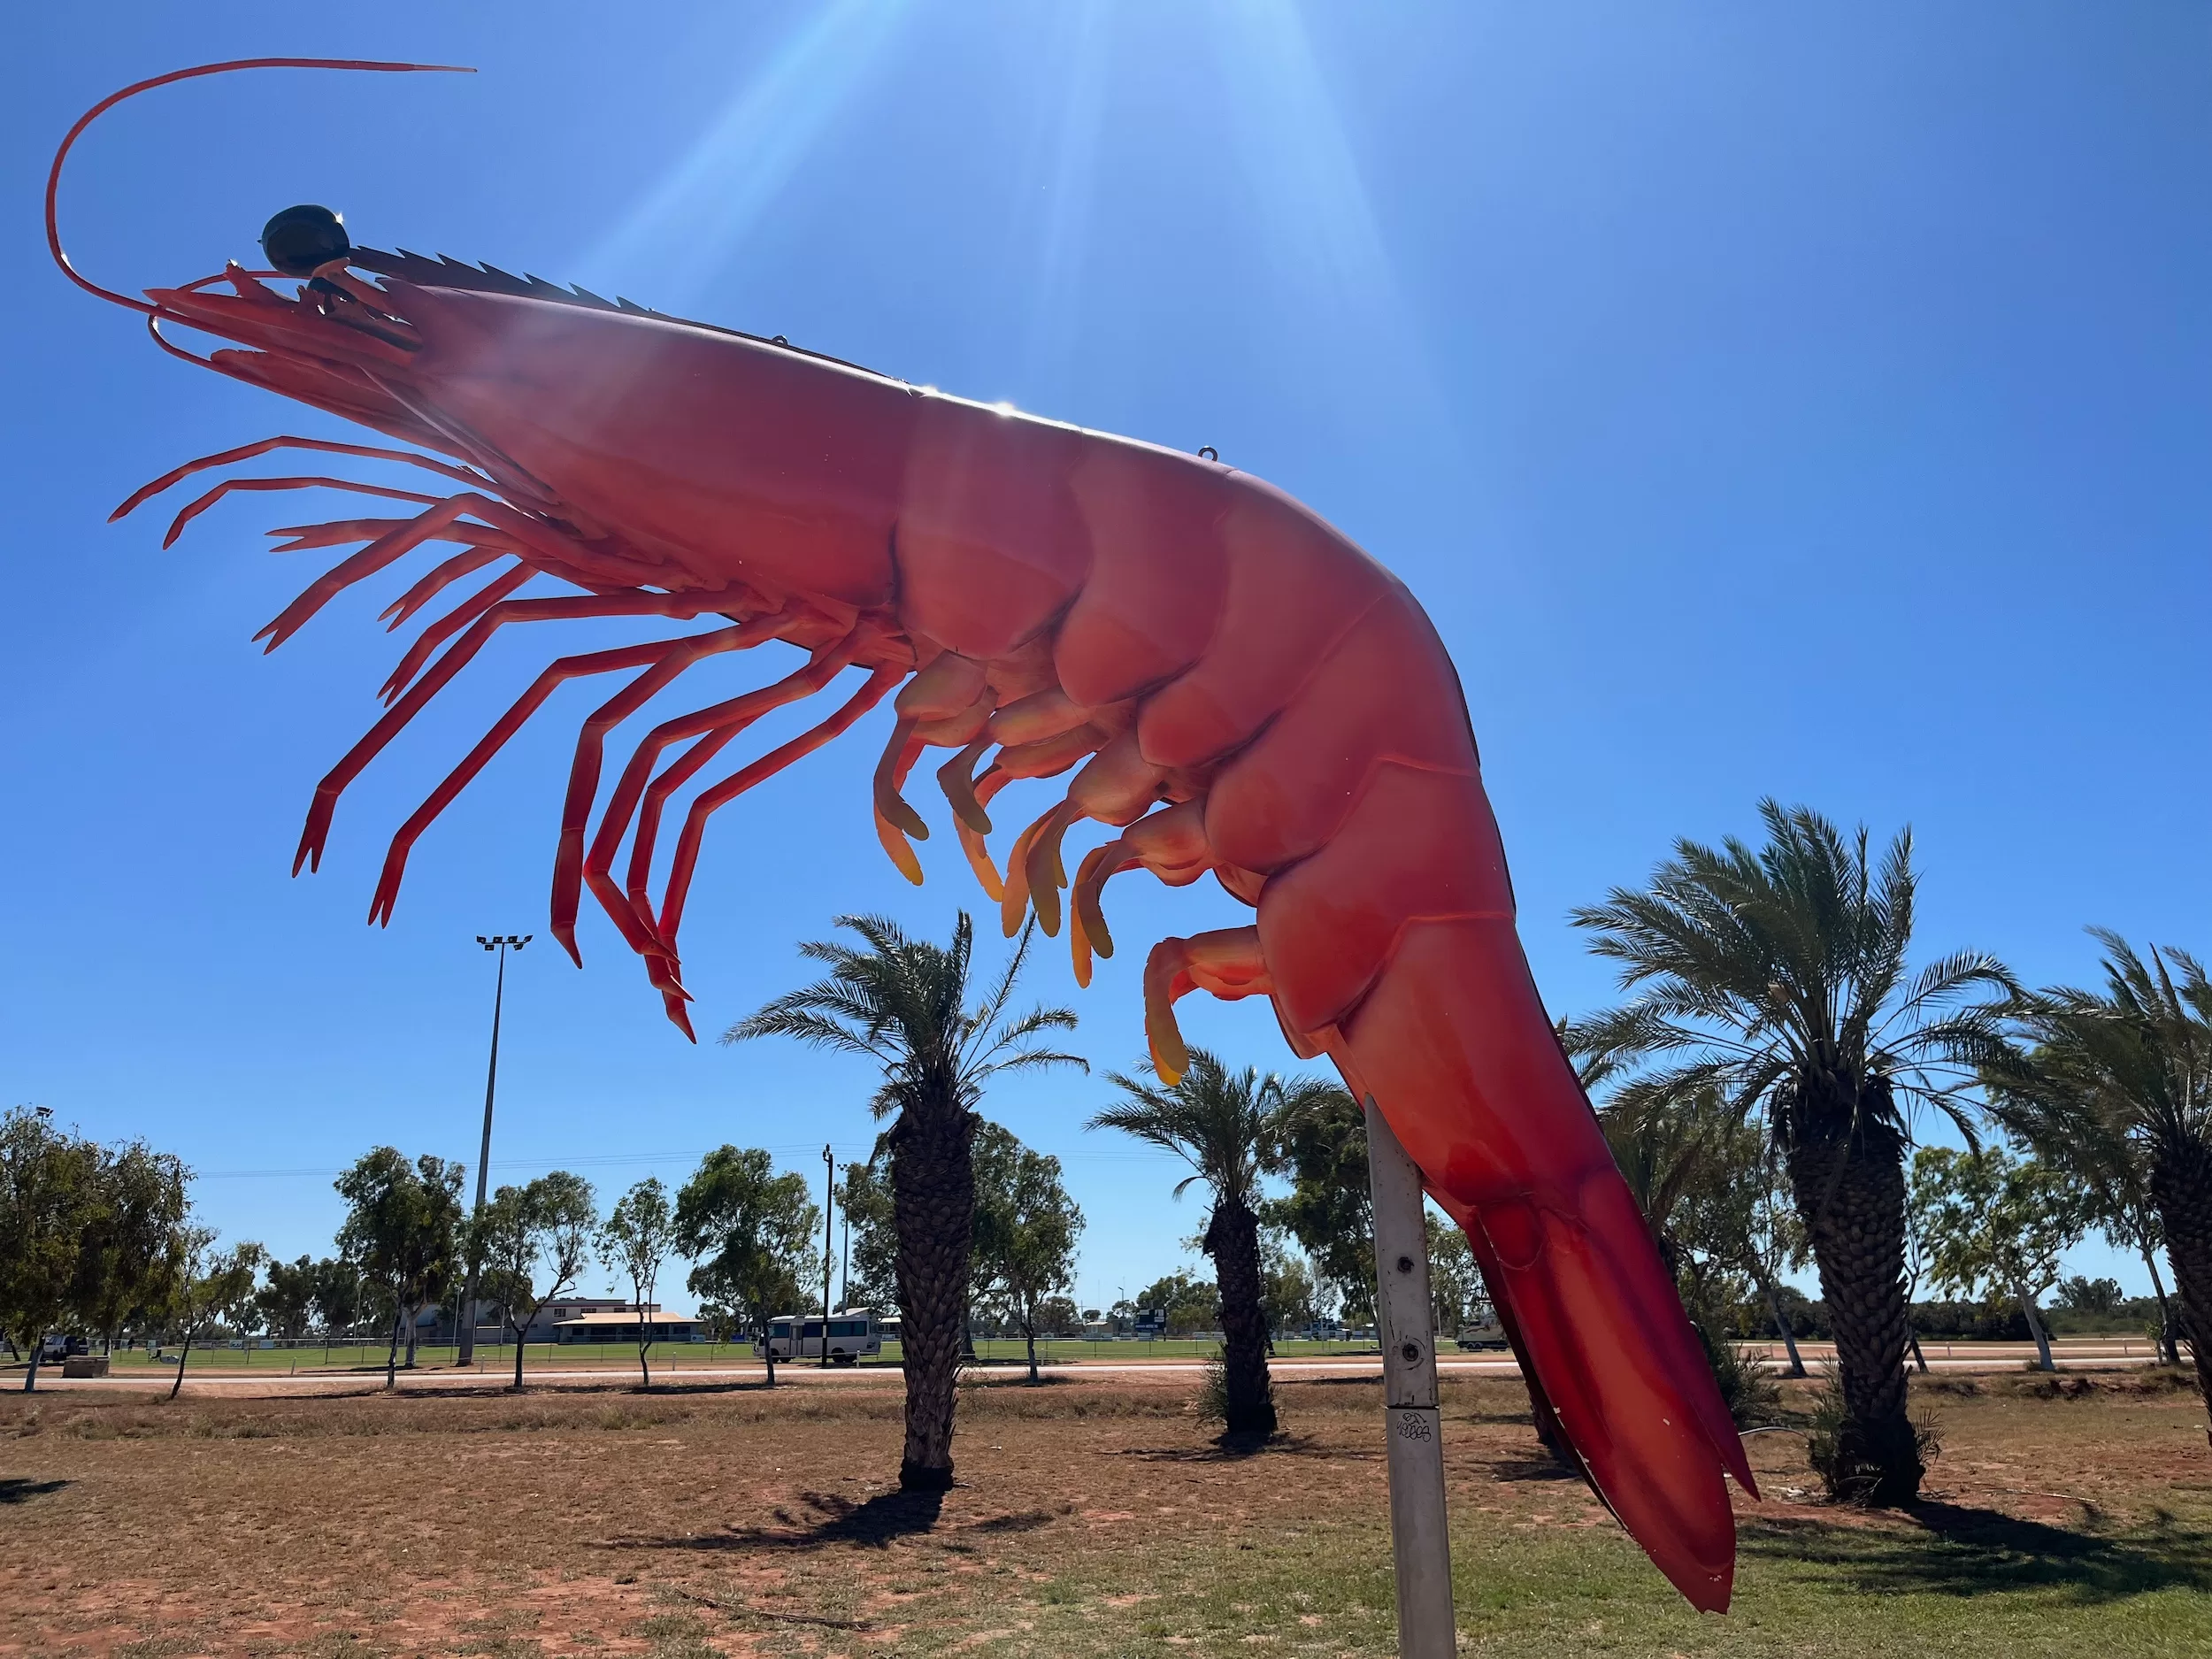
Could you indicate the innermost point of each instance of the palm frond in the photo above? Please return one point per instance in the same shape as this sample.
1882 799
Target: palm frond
806 1025
1778 973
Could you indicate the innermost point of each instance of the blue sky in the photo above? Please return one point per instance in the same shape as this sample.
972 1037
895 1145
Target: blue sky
1812 403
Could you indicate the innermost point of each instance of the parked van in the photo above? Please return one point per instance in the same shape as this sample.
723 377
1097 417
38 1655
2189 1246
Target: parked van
853 1335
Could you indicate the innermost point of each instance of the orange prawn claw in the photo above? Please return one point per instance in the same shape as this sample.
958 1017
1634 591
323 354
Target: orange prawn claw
972 841
896 821
1042 868
1228 961
956 778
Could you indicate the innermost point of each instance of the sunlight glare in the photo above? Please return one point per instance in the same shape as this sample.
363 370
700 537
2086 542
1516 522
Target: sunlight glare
684 231
1078 80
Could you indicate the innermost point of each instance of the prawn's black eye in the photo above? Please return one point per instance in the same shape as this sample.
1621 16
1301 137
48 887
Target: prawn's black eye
301 238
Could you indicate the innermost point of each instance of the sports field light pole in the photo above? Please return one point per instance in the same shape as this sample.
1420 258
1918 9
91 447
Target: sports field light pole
829 1243
1419 1545
502 943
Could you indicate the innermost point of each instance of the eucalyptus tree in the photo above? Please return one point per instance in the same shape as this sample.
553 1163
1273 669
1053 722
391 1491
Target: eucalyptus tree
401 1230
1778 975
1456 1288
1776 1245
636 1240
751 1231
1290 1296
904 1004
287 1300
208 1283
132 1248
1699 1172
337 1296
2121 1208
1321 1151
871 1256
1992 1222
1691 1166
1025 1229
535 1241
1226 1125
50 1196
2116 1085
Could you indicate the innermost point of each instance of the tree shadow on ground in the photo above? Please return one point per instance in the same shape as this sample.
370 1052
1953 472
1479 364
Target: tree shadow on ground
18 1491
1533 1469
1226 1449
1953 1549
835 1519
656 1389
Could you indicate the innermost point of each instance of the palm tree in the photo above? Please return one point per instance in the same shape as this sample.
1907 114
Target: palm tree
1225 1126
903 1002
1778 977
2118 1088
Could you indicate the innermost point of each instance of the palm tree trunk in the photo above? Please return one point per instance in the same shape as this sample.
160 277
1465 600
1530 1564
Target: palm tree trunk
1232 1239
1850 1192
933 1210
2181 1187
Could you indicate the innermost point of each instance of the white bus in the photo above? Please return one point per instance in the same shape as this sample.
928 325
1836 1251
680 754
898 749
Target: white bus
854 1335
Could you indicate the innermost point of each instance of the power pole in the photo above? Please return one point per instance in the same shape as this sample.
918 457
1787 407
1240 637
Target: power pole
1420 1544
829 1243
464 1317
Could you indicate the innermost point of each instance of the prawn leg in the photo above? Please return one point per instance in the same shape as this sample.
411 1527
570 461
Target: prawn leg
1226 962
550 679
194 508
583 779
713 799
248 451
350 766
445 626
720 724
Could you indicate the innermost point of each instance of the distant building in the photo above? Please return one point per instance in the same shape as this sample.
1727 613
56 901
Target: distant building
620 1324
436 1324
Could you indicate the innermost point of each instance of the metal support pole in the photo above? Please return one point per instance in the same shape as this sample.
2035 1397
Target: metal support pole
1420 1546
465 1316
829 1243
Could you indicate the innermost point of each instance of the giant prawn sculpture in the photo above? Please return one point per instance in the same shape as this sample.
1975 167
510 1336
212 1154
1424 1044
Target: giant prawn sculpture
1245 693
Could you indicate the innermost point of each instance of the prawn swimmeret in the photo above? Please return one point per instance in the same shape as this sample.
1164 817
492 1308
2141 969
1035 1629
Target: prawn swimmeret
1236 688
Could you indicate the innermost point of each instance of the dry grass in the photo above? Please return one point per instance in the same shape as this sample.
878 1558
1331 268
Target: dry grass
1090 1520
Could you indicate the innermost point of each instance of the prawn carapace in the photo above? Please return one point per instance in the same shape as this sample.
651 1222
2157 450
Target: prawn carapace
1238 689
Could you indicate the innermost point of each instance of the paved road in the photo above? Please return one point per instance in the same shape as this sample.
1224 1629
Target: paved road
1978 1357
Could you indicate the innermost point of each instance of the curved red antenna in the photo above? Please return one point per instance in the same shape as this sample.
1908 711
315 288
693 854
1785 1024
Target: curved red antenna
53 176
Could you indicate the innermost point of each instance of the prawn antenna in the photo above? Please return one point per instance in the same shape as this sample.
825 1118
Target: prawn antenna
53 176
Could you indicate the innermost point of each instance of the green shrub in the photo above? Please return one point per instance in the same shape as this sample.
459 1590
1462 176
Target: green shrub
1751 1396
1213 1391
1851 1479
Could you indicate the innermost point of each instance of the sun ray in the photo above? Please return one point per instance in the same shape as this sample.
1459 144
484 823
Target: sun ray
686 227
